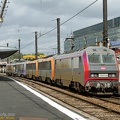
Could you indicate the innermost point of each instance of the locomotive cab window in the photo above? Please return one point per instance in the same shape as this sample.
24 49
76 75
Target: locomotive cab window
108 58
94 58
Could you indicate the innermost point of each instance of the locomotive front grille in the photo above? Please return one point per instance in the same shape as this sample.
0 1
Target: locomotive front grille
101 85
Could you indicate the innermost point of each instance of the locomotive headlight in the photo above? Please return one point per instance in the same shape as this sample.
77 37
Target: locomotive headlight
112 75
94 75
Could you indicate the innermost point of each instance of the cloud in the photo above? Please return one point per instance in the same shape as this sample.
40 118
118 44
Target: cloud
25 17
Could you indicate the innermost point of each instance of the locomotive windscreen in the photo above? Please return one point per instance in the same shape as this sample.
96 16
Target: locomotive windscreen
94 58
108 58
101 58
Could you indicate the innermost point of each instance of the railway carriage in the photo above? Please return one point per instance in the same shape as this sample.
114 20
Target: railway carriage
46 69
10 69
32 69
16 69
20 69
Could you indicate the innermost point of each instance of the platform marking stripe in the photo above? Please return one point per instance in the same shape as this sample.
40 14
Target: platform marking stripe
64 110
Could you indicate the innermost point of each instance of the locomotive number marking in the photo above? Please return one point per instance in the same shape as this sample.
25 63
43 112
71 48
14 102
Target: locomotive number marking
103 75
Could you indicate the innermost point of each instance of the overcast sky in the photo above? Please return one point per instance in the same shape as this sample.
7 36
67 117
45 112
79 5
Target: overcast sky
24 17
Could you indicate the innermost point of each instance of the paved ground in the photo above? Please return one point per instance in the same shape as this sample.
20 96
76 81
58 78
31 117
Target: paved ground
17 103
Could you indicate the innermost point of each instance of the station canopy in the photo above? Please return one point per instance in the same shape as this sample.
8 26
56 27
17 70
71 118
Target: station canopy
6 51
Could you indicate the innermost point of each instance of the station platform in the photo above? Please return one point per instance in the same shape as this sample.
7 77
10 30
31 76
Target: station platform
19 102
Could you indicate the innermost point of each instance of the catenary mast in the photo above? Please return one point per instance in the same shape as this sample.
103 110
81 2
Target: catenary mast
105 27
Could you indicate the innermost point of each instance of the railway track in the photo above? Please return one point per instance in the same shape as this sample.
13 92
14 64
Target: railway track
96 108
111 99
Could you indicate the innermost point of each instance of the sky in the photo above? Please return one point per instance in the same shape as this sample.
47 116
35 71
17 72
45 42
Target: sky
23 17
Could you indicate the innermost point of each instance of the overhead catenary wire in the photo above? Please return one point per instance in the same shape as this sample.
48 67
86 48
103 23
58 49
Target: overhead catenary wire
27 45
70 18
50 46
79 12
64 22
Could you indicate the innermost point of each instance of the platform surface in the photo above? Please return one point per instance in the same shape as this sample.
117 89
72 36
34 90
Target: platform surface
17 103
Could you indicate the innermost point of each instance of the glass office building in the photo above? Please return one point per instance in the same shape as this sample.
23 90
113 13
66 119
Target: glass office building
92 35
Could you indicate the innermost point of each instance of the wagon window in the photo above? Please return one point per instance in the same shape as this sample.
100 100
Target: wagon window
28 66
42 65
34 66
80 60
46 65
